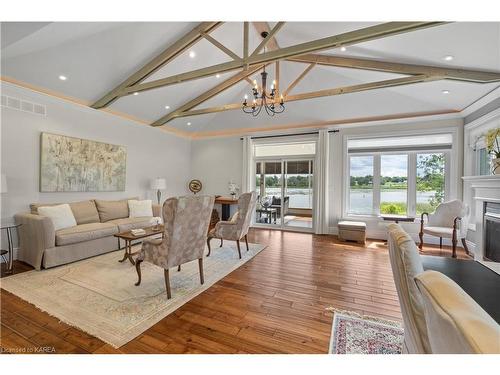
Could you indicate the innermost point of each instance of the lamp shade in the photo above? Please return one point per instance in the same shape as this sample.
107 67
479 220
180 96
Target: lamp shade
4 184
158 183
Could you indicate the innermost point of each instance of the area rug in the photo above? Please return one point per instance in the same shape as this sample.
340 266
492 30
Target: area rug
98 295
356 334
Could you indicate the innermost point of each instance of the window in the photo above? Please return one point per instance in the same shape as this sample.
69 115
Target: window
361 185
430 181
484 161
394 184
397 175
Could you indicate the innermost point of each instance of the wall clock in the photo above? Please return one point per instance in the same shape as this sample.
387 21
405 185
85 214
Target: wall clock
195 186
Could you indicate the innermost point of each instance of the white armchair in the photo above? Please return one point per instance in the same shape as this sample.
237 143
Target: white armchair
450 220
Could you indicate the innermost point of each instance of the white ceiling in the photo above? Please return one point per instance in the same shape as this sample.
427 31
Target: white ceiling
98 56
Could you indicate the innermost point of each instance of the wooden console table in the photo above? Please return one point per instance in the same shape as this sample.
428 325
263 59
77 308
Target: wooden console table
226 203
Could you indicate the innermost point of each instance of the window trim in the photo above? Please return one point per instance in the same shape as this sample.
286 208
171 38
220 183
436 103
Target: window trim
411 190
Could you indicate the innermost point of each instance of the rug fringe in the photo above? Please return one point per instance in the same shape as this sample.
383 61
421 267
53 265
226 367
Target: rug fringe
366 317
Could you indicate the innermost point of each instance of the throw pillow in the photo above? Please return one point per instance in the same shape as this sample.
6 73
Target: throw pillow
61 215
140 208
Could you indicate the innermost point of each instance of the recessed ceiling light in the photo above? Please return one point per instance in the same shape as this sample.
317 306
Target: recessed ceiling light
192 54
343 49
136 93
217 75
448 58
167 107
63 78
446 92
188 124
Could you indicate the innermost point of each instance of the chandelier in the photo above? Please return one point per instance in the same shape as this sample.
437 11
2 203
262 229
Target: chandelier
262 99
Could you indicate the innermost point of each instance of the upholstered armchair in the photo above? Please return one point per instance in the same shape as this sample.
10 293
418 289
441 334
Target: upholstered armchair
186 221
237 227
406 265
456 324
450 220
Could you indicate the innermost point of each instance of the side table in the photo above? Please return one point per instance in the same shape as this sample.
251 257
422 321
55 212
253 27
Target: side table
8 228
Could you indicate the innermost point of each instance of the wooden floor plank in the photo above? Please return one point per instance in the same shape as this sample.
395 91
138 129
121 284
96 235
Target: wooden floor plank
275 303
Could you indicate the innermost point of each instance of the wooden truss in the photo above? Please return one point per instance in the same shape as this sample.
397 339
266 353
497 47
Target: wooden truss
252 62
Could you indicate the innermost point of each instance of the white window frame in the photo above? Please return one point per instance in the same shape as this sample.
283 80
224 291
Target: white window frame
450 171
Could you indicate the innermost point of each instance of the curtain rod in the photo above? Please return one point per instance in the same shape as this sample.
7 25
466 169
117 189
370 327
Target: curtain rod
290 135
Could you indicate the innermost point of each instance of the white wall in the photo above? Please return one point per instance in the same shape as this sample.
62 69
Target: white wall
150 152
217 160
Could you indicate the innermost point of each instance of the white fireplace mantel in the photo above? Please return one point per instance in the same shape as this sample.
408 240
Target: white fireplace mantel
477 190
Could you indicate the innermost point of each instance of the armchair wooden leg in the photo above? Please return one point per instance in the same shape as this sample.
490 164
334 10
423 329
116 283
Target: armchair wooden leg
221 242
464 243
246 241
138 269
454 239
208 244
440 242
200 265
167 283
179 268
238 245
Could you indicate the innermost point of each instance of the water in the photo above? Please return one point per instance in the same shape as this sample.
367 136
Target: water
361 201
299 198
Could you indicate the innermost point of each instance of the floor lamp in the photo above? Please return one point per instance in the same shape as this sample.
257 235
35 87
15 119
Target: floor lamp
158 184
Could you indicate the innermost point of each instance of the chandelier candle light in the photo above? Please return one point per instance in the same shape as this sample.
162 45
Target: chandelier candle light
262 99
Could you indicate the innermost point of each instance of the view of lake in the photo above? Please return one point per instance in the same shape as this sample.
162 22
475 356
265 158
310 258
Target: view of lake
361 200
299 198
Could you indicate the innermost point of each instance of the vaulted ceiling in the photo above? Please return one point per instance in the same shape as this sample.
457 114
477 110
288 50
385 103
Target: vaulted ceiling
98 57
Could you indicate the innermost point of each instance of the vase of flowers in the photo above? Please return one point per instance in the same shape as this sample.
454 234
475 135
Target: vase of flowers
493 147
233 189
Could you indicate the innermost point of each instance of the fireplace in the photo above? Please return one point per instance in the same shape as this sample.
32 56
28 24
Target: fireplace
492 231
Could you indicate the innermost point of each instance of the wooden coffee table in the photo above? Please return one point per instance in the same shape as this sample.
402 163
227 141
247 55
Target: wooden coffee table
128 237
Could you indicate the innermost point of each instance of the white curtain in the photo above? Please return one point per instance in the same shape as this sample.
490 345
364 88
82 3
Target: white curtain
321 183
247 169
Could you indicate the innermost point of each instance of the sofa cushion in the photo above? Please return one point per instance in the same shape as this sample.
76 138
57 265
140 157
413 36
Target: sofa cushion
110 210
140 208
61 215
129 223
84 232
85 212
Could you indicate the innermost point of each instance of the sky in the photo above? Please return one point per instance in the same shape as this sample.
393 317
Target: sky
391 165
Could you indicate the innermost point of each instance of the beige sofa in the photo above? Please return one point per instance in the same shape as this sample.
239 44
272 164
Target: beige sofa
97 221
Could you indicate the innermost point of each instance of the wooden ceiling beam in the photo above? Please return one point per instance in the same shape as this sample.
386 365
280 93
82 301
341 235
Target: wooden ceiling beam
156 63
268 38
323 93
221 46
261 27
206 95
299 78
352 37
469 75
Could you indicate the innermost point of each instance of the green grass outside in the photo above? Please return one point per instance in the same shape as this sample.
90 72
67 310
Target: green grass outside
399 208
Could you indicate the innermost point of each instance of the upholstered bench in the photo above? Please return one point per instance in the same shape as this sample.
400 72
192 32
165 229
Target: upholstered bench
352 231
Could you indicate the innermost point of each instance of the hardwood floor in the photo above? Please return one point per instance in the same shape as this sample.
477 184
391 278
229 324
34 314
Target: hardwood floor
275 303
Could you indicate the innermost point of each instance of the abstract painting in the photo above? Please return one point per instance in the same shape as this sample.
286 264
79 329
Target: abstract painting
74 164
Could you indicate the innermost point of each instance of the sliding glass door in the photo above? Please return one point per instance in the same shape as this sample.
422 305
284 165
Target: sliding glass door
285 192
269 188
298 193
